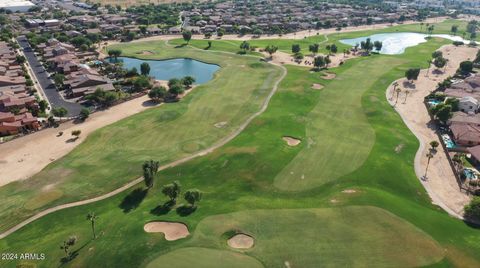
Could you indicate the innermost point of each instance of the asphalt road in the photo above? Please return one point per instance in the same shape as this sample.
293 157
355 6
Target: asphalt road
45 82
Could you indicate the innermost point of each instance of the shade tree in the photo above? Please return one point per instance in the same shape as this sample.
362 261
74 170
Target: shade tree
172 191
150 169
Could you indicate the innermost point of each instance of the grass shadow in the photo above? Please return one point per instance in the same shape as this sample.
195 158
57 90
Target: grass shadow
163 209
185 210
180 46
133 200
472 223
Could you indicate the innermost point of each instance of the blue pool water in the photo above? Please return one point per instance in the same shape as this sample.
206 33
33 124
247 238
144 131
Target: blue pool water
175 68
448 141
433 102
469 174
396 43
450 144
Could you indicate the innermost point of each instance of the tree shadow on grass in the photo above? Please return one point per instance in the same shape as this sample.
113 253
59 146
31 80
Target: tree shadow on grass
65 260
185 210
133 200
163 209
180 46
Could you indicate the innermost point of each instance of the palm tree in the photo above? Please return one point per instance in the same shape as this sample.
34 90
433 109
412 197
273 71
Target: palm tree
434 144
429 157
395 85
70 242
398 90
92 218
406 95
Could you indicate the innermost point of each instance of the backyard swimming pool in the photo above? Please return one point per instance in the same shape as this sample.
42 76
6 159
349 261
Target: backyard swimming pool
174 68
433 102
396 43
448 141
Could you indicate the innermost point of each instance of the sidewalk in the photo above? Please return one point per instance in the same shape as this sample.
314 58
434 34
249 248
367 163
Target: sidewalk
441 183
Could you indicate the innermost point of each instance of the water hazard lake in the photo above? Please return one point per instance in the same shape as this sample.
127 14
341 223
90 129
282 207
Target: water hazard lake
174 68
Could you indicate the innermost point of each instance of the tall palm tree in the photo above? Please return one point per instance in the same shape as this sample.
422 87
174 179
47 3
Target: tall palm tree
398 90
395 85
406 95
429 157
92 218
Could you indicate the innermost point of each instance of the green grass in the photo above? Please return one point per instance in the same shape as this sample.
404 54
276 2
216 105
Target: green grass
239 184
204 258
307 237
112 156
285 45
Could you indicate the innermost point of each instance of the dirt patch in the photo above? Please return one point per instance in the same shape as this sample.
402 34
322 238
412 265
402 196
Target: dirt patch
291 141
399 148
221 124
146 52
317 86
328 76
43 198
241 241
349 191
172 230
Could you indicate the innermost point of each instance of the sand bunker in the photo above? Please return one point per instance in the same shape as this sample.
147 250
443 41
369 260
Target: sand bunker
172 230
241 241
317 86
328 76
291 141
146 52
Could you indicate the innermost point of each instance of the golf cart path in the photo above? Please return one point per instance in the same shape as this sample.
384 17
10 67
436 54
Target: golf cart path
206 151
440 184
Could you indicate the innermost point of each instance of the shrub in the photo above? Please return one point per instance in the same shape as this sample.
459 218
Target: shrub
472 210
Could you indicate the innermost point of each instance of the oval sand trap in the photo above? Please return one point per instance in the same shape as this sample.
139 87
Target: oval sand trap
241 241
328 76
172 230
291 141
317 86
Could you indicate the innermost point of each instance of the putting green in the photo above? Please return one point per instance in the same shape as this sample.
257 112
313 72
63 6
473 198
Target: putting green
204 258
355 236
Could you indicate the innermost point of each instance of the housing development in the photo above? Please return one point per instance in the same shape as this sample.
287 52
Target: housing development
240 133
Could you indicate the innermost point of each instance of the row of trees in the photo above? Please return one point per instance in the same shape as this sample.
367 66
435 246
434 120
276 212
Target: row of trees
175 88
171 190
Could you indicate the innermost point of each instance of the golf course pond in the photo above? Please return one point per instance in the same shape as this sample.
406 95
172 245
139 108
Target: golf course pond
396 43
173 68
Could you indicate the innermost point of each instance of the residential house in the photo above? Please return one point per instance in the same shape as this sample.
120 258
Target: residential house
11 124
468 104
